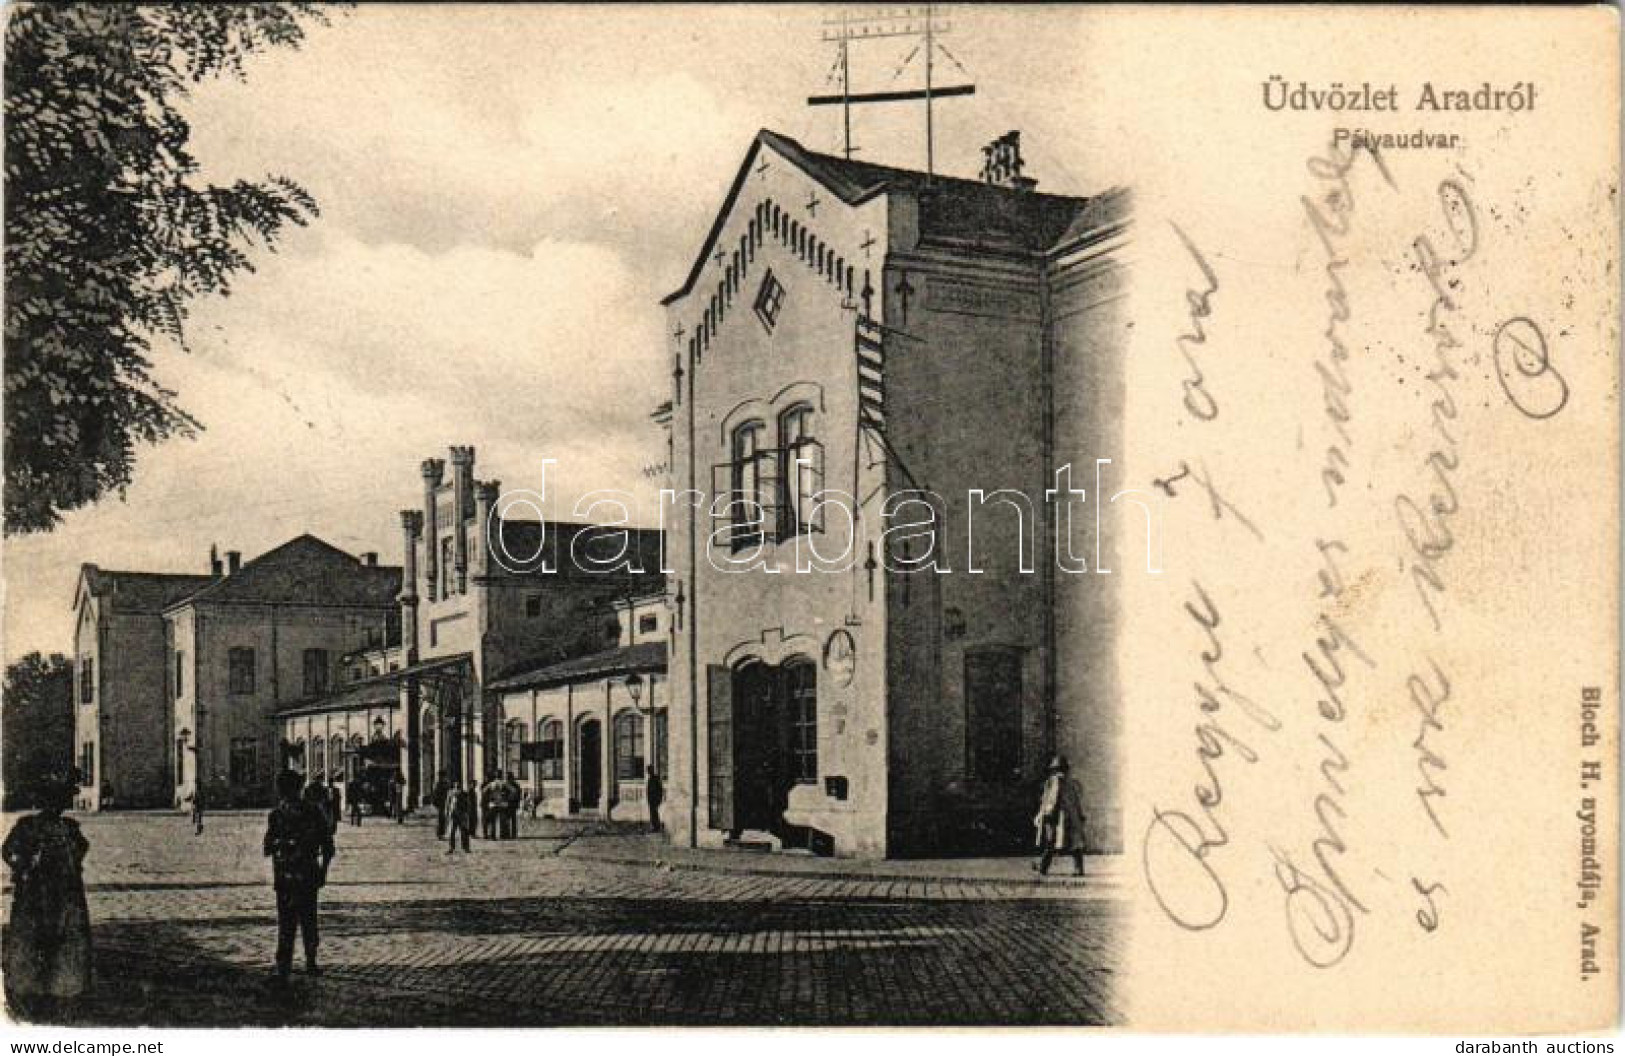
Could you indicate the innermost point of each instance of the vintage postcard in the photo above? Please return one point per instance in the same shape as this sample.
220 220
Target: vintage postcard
746 515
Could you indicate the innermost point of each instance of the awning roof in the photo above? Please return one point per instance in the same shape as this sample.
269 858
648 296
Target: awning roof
376 691
645 656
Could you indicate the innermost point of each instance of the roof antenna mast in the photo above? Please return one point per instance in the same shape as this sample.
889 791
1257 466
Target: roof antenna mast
922 23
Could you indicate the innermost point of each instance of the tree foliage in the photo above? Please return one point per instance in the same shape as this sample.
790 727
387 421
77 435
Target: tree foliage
36 725
110 234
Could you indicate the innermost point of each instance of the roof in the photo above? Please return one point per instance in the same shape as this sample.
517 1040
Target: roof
141 592
372 691
535 545
952 209
645 656
305 571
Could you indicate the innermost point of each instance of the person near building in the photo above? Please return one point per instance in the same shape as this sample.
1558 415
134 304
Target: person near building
1060 818
511 795
47 939
300 845
488 811
654 794
197 798
352 792
335 801
315 795
437 796
458 821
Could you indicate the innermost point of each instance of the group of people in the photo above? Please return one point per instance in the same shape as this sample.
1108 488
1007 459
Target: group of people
455 807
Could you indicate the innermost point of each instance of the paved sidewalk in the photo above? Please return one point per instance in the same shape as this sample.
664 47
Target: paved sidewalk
630 847
586 924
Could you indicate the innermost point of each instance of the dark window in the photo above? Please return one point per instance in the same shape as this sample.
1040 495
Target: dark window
446 573
628 746
802 682
800 471
552 750
244 760
87 679
769 299
993 714
241 663
318 759
87 761
533 605
512 745
661 736
648 624
746 506
180 673
316 672
180 760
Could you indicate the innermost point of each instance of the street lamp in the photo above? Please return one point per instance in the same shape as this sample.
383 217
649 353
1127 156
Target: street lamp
634 689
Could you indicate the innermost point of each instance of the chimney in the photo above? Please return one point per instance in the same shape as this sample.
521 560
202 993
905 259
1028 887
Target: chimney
214 561
370 559
433 470
486 523
234 561
1002 163
462 483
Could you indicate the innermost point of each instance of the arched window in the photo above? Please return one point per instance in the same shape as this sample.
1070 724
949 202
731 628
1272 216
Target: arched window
628 746
335 758
801 470
801 677
318 759
746 509
352 769
552 764
296 756
796 244
849 288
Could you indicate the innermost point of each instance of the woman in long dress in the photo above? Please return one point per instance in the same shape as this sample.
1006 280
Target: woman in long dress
47 941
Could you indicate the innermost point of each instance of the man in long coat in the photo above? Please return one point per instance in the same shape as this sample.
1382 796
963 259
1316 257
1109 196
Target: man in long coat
1060 818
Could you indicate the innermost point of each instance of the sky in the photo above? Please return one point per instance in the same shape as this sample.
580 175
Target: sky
506 194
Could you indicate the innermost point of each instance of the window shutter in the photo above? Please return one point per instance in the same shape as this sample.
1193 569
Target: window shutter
719 720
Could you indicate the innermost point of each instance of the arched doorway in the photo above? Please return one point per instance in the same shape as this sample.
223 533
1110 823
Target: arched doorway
589 764
775 741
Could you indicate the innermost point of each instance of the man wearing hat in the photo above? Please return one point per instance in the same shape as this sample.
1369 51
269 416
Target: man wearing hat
1060 818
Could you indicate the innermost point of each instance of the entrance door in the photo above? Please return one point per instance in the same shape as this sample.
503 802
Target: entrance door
756 756
766 761
589 764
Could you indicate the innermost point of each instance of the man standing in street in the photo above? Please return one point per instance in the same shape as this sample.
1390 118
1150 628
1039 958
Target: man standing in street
438 797
510 806
197 806
352 792
457 820
654 793
300 847
488 808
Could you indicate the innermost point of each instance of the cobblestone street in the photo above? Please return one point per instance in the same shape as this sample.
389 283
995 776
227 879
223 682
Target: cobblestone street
536 931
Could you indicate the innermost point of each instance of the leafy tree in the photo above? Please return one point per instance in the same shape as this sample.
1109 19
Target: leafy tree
36 725
109 234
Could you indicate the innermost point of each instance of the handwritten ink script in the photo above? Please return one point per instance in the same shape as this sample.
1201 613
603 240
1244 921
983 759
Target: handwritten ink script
1379 461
